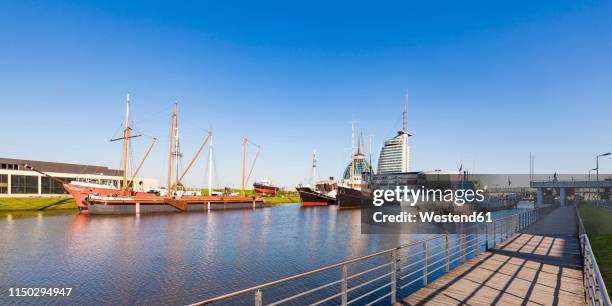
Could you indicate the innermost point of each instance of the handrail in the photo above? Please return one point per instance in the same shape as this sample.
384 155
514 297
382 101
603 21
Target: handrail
594 286
503 227
286 279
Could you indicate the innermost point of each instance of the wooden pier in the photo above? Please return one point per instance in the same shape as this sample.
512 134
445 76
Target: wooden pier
540 265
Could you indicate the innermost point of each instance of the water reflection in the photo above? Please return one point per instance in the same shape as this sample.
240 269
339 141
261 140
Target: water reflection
176 258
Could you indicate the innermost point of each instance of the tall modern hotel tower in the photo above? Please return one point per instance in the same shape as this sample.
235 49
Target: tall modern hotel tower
395 153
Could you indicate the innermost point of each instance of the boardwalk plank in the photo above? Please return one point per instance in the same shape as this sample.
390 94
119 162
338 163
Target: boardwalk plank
528 269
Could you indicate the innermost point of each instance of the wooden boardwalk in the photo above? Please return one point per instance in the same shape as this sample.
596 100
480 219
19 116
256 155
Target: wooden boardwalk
531 268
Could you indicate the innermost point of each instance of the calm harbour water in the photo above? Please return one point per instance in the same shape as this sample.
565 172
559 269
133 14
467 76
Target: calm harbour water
175 258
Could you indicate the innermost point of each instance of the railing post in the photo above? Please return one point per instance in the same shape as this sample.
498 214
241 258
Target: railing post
464 245
447 254
508 221
494 233
344 285
529 215
477 250
508 226
393 276
486 236
424 263
258 299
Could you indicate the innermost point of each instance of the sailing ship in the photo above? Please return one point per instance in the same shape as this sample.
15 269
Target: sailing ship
95 198
321 193
354 189
80 190
177 199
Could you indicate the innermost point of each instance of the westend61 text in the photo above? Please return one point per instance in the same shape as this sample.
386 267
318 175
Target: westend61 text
429 217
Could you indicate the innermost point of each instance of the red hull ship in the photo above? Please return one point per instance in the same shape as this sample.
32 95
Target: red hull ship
265 186
98 197
80 191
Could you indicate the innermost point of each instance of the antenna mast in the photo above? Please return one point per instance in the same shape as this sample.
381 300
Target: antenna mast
405 114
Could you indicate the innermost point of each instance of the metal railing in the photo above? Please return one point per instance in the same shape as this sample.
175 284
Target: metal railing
405 268
594 286
570 183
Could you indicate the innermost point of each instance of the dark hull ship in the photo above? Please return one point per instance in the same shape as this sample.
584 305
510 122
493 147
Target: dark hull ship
310 197
353 198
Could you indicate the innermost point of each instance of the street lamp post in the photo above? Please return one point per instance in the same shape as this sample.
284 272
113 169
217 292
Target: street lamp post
597 163
590 172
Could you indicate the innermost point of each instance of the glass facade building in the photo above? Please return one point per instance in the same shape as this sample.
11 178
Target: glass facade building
3 183
395 155
361 165
21 184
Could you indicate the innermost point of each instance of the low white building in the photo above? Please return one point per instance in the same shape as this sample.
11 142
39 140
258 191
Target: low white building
18 181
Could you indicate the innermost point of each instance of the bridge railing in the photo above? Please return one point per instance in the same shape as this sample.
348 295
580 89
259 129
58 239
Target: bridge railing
594 286
383 275
570 184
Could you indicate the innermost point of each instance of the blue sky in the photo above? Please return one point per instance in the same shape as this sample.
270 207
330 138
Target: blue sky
489 81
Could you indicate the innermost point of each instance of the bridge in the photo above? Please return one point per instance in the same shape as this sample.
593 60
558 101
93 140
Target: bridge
539 256
565 185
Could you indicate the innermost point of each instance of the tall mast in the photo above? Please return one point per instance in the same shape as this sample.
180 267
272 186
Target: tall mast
360 144
352 149
126 141
243 164
353 136
371 166
314 167
210 158
171 144
177 152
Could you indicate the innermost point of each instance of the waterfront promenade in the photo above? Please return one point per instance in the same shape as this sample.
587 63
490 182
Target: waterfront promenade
539 256
540 265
